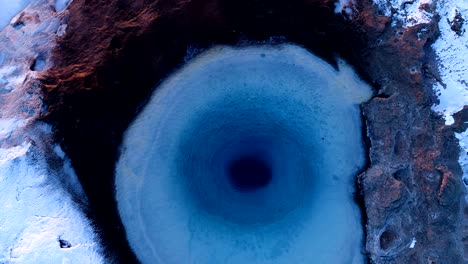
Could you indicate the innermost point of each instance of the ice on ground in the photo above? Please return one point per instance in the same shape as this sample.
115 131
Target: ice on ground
36 213
9 9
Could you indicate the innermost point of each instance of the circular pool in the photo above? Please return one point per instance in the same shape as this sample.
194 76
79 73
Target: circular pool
246 155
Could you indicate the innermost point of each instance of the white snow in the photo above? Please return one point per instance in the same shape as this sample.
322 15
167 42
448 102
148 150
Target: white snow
413 243
36 212
451 49
10 77
452 53
407 12
9 9
383 6
7 155
9 125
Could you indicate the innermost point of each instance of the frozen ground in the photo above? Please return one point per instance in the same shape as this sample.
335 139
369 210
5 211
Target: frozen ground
39 222
452 52
451 49
40 219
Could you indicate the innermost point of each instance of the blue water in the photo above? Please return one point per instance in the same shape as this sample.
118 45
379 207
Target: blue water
246 155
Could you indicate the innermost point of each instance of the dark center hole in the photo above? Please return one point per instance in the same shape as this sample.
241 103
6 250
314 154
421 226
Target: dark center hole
249 173
387 239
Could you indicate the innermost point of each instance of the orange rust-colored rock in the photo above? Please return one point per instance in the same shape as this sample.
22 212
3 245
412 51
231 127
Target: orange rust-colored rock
414 147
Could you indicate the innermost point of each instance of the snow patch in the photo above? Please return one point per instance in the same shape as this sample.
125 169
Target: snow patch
452 51
36 213
409 13
10 77
384 7
9 154
413 243
8 126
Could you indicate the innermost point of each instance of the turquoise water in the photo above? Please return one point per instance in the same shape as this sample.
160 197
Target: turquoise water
246 155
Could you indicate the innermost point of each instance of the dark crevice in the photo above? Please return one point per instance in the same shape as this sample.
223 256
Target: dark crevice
18 24
38 64
382 96
387 239
359 193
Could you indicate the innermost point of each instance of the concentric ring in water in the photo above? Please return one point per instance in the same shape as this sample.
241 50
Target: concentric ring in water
246 155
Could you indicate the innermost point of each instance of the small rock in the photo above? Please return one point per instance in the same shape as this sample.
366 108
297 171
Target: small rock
457 23
64 243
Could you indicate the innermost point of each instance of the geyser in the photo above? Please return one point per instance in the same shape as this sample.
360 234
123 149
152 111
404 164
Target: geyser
246 155
249 173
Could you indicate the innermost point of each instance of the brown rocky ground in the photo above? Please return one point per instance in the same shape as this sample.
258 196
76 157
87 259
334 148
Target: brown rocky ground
115 52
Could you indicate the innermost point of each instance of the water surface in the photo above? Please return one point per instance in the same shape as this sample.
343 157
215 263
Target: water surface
246 155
